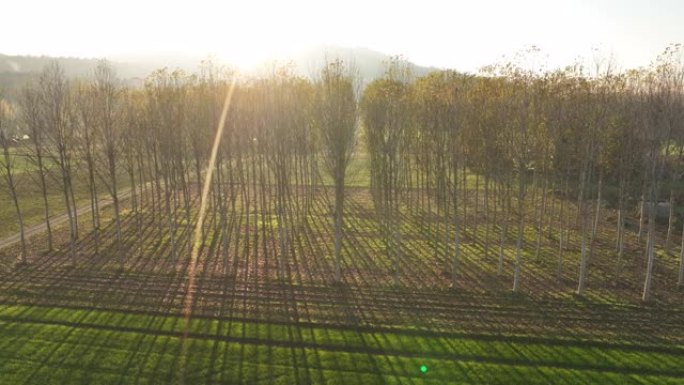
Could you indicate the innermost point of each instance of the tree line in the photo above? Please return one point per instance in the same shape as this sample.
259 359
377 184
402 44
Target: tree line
523 150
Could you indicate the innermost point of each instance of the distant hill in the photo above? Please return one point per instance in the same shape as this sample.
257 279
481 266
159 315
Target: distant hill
15 71
32 64
370 64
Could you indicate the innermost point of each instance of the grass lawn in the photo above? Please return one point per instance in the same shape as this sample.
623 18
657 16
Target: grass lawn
90 320
31 199
52 345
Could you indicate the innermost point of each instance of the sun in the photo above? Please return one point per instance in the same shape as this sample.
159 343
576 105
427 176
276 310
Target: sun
246 57
248 52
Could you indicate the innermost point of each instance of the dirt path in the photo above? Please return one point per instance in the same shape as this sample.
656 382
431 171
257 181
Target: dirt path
58 220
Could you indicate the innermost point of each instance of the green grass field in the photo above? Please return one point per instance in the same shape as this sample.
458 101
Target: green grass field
88 321
31 199
52 345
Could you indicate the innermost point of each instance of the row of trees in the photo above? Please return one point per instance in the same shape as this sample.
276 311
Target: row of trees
576 132
439 147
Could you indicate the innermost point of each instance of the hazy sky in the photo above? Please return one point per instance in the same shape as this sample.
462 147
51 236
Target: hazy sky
459 34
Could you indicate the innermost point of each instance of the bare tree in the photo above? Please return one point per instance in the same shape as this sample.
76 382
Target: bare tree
87 145
386 115
107 120
336 121
32 119
662 95
58 117
7 170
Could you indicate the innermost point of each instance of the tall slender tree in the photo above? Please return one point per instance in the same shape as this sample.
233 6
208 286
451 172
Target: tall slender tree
336 120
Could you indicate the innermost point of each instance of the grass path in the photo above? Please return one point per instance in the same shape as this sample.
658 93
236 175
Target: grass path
58 220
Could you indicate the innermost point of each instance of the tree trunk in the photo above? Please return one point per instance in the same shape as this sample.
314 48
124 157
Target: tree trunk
92 187
542 214
583 229
142 184
13 193
521 229
43 190
339 207
583 260
477 192
680 281
48 226
650 246
486 217
650 253
70 215
621 197
620 230
457 240
561 246
464 188
117 219
504 228
95 213
20 218
598 206
73 204
133 189
641 216
670 222
170 218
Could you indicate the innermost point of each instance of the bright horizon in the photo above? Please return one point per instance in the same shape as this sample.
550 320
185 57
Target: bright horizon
462 35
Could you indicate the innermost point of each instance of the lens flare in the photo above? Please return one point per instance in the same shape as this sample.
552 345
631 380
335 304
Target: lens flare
197 239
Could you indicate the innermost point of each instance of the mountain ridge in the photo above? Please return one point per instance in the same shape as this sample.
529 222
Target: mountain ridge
16 70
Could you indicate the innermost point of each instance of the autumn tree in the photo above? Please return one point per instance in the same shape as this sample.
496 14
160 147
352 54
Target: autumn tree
57 115
336 118
107 120
32 119
8 170
385 108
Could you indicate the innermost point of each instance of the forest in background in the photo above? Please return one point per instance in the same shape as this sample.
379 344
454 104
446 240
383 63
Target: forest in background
536 152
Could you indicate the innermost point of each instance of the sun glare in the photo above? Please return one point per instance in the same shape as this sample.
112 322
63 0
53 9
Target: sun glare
250 53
